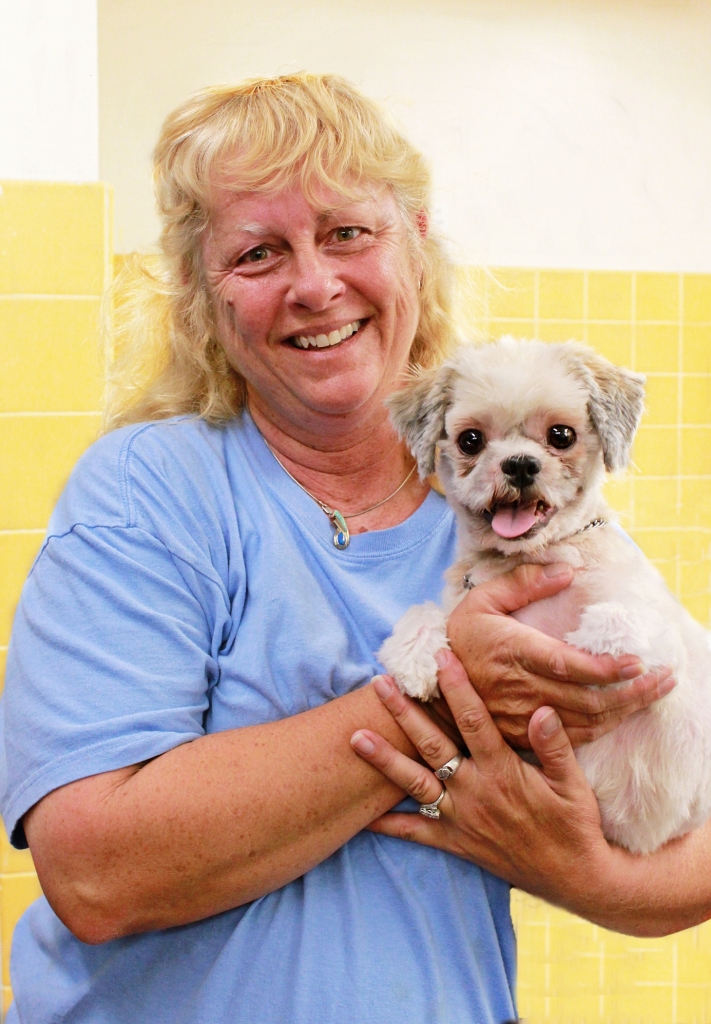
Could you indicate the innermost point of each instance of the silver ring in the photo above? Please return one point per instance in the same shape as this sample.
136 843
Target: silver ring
447 770
432 810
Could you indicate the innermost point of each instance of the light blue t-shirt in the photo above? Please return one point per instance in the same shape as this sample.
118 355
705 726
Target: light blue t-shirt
186 586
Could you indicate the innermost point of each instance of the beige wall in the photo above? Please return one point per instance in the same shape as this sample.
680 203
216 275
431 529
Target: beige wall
569 133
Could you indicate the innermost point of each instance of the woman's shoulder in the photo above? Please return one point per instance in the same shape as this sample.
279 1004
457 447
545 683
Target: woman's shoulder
142 469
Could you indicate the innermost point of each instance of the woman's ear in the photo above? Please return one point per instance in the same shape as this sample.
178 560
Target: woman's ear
423 223
418 412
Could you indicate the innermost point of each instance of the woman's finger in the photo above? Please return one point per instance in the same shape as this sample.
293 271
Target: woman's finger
413 828
593 706
481 736
552 746
432 744
416 780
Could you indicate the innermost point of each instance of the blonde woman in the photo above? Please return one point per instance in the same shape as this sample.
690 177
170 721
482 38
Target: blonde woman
194 645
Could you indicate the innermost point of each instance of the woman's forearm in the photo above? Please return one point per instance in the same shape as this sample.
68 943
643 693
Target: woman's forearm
651 895
211 824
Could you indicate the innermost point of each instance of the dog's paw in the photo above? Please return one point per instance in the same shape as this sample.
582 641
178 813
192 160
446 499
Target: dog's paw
609 628
409 654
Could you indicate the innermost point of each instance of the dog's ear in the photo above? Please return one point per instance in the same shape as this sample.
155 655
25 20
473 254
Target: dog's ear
418 410
615 404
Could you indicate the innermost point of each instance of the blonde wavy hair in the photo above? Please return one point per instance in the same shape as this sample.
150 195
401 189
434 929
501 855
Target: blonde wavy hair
164 357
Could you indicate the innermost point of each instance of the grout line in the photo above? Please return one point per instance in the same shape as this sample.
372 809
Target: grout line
679 435
9 415
25 296
536 302
23 531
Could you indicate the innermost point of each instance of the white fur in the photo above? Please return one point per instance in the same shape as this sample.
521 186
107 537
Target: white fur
652 774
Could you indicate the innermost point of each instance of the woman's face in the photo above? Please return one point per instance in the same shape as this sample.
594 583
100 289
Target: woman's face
316 306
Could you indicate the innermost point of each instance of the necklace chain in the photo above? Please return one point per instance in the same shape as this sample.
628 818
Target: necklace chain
341 536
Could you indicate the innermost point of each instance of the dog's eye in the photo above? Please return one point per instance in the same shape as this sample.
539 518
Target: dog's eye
561 436
471 442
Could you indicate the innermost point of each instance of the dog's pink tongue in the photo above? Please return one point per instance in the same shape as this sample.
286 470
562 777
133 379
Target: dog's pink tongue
513 520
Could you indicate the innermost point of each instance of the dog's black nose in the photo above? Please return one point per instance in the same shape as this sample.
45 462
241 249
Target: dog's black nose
521 469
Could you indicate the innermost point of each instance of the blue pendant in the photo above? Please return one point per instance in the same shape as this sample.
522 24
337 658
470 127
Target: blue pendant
342 537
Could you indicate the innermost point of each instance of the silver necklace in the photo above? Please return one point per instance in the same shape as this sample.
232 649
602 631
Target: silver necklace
341 534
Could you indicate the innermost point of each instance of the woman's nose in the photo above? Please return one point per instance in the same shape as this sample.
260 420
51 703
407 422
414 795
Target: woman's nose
315 282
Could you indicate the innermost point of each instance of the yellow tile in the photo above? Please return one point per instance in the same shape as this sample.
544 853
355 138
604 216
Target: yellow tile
657 348
655 502
511 293
618 494
695 545
656 296
700 608
696 400
654 451
662 546
18 891
696 503
609 296
695 578
696 451
496 328
550 330
6 998
662 400
13 861
40 452
613 341
697 298
560 294
49 352
17 553
53 238
696 356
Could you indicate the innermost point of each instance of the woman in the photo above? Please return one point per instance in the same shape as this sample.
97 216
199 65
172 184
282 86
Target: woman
193 647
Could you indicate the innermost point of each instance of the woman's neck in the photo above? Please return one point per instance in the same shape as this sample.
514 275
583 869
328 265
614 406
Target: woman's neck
349 470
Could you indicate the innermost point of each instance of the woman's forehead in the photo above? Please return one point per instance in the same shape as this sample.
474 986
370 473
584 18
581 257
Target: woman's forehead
254 211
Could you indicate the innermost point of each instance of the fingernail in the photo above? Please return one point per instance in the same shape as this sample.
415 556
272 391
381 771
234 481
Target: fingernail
361 743
632 671
382 686
557 569
442 658
549 724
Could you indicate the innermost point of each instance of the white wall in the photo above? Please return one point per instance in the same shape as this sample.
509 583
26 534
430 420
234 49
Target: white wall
568 133
48 90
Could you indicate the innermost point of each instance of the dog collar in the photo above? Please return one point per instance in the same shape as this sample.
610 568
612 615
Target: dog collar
592 525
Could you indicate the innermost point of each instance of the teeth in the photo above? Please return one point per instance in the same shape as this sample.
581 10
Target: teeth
327 340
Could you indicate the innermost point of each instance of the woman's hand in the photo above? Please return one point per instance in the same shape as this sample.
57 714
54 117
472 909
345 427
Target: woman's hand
517 669
538 828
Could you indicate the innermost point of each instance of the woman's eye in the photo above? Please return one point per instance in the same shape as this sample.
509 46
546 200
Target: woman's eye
561 436
346 234
256 255
471 442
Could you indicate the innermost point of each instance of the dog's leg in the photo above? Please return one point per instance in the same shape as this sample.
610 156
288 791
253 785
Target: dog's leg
409 654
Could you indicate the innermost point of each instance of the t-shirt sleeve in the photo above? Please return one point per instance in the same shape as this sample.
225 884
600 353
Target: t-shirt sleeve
113 654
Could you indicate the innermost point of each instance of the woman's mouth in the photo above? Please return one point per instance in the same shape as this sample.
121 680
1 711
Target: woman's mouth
329 340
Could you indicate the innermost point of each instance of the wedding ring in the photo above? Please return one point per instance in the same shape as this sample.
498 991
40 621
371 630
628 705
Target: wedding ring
432 810
447 770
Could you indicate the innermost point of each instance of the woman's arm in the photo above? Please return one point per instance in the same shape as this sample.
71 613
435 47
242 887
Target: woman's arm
229 817
538 828
211 824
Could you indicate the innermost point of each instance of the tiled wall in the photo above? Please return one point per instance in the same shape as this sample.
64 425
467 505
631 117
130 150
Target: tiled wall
54 263
571 972
55 250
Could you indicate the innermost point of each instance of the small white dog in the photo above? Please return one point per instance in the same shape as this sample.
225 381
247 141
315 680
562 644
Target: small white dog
525 432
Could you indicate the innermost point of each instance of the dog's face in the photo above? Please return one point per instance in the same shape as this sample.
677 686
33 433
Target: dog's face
524 431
